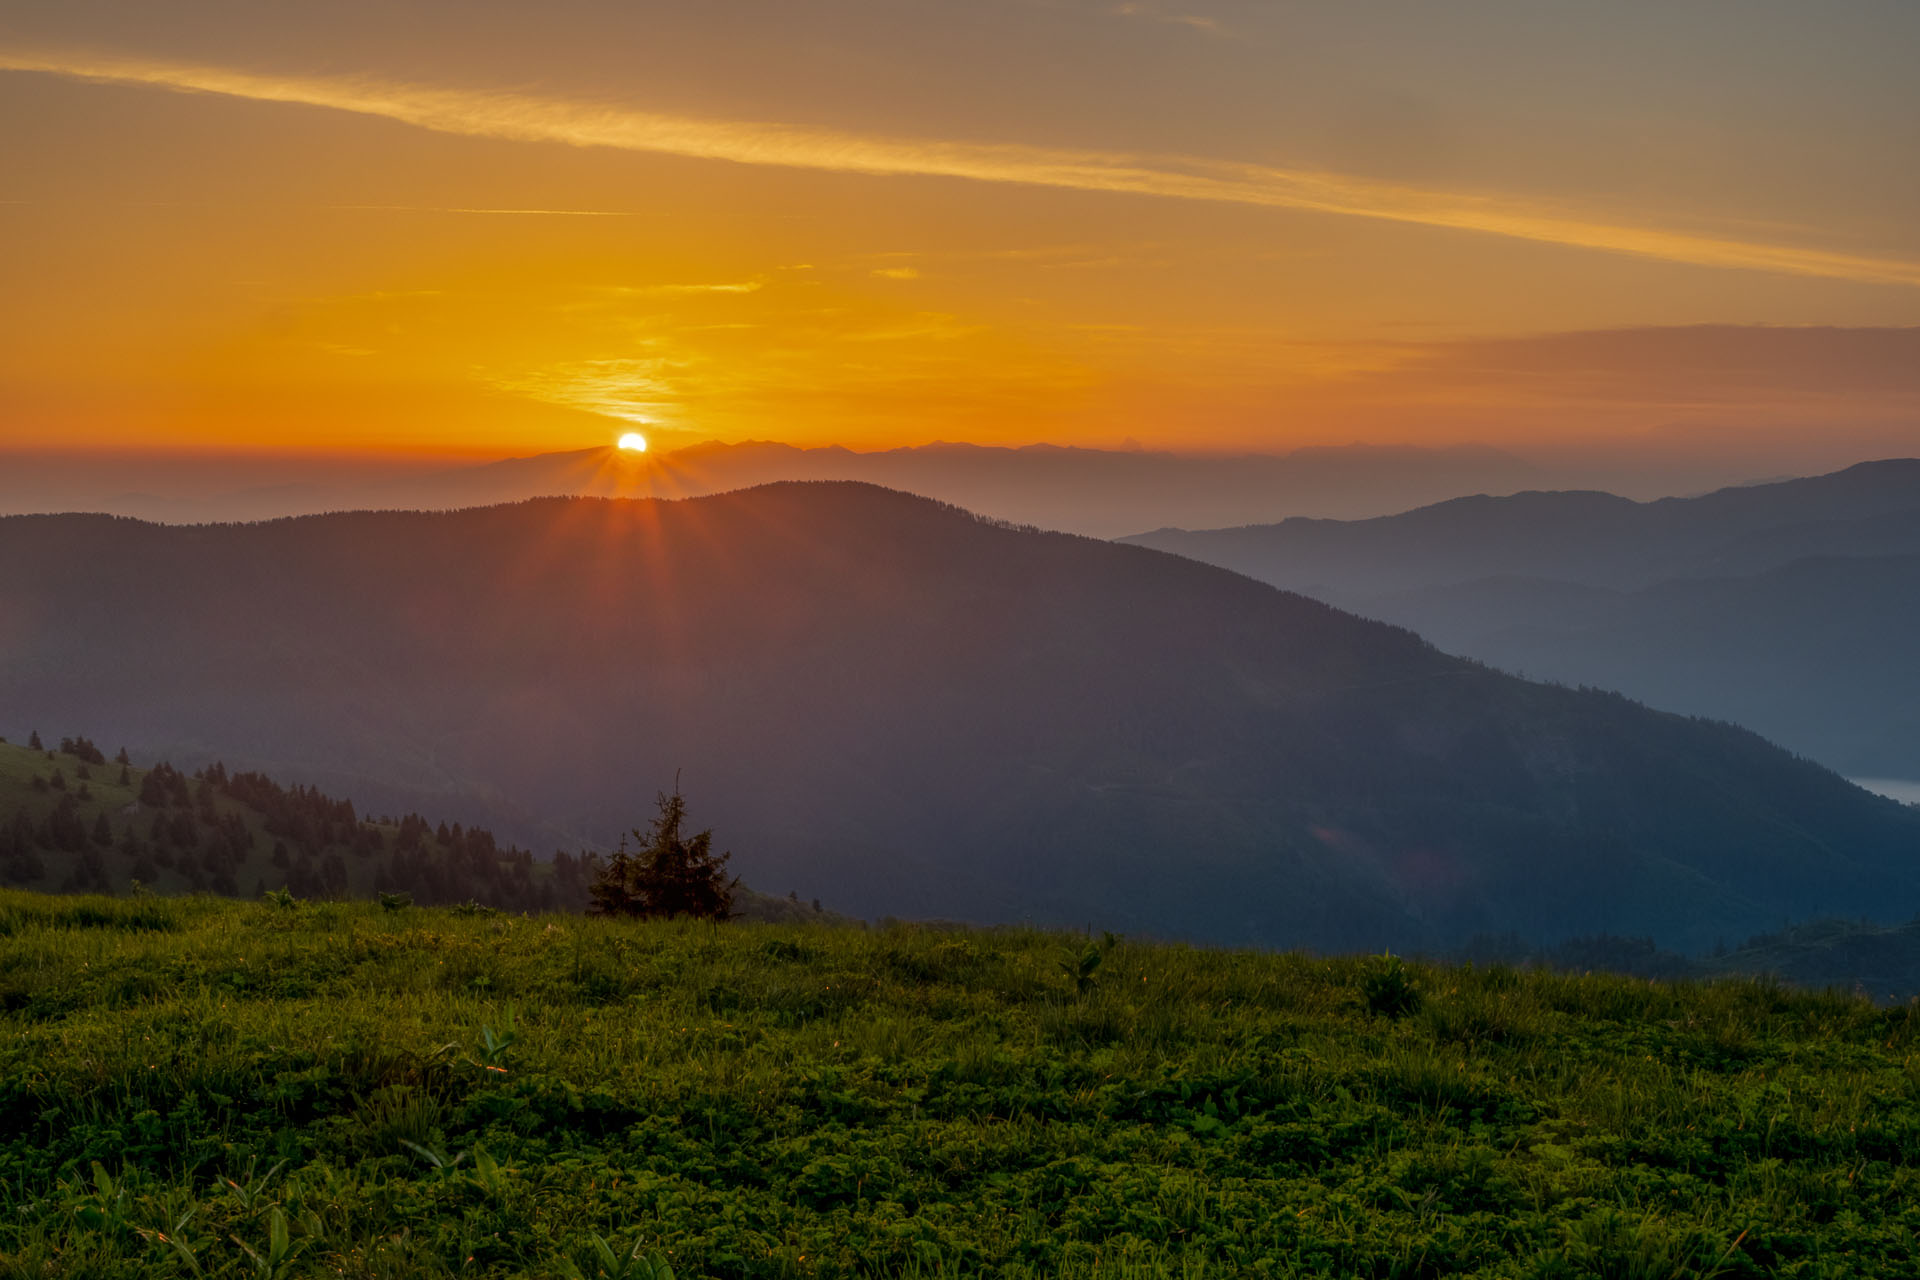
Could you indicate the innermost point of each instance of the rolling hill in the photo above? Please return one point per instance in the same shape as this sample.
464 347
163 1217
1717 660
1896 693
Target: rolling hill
1788 608
1816 654
903 709
1595 539
487 1097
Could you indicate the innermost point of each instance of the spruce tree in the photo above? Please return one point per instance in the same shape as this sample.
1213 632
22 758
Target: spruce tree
670 874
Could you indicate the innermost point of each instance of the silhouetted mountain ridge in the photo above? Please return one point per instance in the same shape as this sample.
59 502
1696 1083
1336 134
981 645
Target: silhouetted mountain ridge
1786 607
904 709
1574 535
1084 490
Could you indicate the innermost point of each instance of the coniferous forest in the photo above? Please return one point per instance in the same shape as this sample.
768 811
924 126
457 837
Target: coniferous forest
73 820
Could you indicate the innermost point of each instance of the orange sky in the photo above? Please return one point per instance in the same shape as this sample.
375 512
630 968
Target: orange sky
491 228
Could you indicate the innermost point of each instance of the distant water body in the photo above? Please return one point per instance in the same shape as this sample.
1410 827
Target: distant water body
1903 789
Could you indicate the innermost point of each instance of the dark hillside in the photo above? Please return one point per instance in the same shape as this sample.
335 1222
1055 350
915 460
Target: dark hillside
898 708
1595 539
1818 655
72 821
75 822
1789 608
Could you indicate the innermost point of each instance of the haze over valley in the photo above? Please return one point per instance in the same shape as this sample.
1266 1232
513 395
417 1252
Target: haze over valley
1787 607
1103 492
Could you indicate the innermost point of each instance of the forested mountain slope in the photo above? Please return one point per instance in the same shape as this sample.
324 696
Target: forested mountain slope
1789 608
72 820
902 709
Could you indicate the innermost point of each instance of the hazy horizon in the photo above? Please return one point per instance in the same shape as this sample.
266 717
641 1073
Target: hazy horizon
1106 493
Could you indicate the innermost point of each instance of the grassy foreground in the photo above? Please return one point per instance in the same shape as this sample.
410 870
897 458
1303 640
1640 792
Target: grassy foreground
196 1086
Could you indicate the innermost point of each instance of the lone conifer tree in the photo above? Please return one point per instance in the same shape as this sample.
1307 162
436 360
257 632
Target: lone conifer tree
668 875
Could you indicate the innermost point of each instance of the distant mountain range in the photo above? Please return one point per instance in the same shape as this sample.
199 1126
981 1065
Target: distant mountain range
1100 492
900 708
1790 608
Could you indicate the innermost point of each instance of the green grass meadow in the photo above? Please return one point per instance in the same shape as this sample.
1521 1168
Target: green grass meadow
192 1086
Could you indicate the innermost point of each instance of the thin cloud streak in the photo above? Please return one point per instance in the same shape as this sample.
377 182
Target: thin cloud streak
515 213
669 290
1198 22
521 117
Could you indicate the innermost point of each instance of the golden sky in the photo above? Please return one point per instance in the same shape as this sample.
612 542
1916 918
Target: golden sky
486 228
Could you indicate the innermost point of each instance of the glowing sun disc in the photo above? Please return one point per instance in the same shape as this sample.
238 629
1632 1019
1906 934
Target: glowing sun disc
635 441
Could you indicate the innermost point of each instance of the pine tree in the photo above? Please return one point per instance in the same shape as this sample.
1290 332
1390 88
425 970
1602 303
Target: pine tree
668 875
33 740
82 749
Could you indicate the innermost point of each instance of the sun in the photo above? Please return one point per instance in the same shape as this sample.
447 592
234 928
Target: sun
635 441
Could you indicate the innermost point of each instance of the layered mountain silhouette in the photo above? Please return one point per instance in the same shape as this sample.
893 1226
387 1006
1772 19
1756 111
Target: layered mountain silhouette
1104 492
1788 607
904 709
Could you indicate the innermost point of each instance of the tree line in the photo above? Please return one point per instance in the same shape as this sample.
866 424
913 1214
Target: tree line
88 824
82 823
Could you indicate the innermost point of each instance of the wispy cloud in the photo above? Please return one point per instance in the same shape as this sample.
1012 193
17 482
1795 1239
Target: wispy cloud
632 390
512 213
1197 21
1680 364
673 290
897 273
523 117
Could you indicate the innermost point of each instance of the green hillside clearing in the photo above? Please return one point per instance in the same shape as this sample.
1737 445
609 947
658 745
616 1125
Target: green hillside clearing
423 1092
